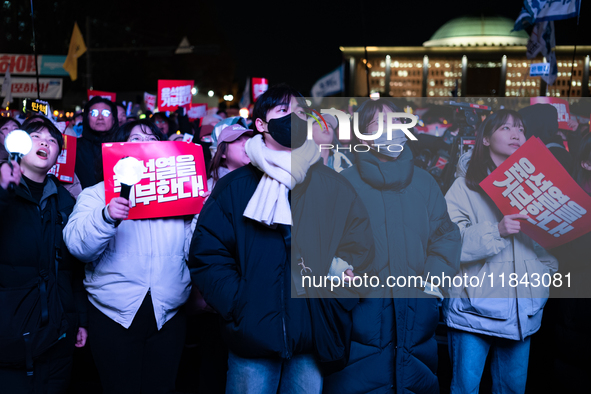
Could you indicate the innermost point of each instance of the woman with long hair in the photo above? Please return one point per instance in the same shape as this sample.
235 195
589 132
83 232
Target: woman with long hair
492 318
230 154
137 282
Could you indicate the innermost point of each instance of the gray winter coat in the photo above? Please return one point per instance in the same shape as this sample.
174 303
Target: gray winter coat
494 309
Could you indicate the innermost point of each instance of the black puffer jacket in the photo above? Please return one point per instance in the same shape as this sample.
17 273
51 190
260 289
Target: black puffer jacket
242 266
27 241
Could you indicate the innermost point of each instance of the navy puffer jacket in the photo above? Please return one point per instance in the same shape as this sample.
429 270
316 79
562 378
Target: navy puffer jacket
394 349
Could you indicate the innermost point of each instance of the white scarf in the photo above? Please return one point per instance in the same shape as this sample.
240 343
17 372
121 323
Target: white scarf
283 170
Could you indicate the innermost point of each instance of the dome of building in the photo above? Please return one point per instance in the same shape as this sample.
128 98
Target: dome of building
477 31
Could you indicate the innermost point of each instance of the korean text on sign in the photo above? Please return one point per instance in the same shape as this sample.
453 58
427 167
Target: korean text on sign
533 183
545 204
172 180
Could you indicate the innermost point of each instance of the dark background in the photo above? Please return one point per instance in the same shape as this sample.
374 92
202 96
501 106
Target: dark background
293 42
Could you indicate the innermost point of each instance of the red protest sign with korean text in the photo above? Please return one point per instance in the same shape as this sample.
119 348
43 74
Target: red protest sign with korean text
150 101
108 95
532 182
197 111
66 161
172 180
259 86
173 94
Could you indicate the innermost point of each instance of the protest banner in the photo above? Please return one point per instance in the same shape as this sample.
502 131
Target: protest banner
108 95
150 101
173 94
20 64
173 177
532 182
197 111
560 105
259 86
66 161
49 88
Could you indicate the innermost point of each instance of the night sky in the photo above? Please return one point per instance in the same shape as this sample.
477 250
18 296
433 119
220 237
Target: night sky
293 42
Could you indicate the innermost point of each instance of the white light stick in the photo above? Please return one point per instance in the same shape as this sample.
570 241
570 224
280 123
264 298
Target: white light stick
18 143
129 171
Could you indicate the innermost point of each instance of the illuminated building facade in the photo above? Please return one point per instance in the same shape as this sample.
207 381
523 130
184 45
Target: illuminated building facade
467 56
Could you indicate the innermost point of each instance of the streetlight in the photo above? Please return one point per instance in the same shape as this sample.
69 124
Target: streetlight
210 93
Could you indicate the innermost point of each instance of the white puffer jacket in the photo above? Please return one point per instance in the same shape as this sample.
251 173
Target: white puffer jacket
124 262
498 310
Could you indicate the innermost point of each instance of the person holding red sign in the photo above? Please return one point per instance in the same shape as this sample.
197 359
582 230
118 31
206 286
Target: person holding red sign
137 280
492 316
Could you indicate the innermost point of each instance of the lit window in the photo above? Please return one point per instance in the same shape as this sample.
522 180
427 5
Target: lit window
437 64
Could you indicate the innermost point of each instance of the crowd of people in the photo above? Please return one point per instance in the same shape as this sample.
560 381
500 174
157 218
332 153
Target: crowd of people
75 271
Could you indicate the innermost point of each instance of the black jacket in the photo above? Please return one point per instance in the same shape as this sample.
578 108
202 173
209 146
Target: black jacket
27 239
89 158
242 266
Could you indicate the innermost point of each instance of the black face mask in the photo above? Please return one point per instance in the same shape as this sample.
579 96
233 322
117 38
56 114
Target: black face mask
282 131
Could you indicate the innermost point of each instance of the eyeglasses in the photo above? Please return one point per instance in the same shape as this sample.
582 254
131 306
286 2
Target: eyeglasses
95 113
147 138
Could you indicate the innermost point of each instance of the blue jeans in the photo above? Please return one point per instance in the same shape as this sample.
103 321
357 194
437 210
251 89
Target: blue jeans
298 375
468 353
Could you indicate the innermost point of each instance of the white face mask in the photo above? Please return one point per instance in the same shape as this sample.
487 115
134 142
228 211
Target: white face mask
391 148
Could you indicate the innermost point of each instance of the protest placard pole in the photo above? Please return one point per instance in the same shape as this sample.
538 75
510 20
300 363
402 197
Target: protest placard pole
88 64
35 50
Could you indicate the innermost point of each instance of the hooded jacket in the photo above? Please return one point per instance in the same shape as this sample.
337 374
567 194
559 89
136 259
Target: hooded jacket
89 158
394 348
493 309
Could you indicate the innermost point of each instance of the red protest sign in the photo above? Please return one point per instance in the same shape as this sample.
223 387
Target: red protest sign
150 101
173 177
560 105
66 161
173 94
532 182
108 95
259 86
197 111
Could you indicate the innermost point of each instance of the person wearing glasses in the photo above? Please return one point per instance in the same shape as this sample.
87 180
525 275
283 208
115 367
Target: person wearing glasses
98 125
137 281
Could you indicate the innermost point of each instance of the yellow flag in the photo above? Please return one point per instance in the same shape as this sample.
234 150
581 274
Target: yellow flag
77 49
